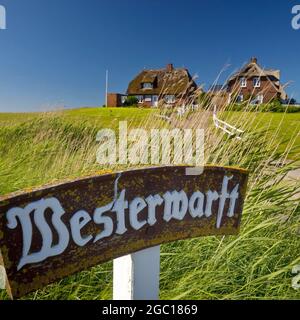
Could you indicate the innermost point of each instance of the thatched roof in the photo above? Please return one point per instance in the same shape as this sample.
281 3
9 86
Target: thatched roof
170 80
253 69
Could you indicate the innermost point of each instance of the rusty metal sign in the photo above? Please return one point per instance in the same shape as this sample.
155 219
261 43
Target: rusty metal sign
55 231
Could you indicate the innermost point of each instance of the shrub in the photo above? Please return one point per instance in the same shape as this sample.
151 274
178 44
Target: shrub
274 106
131 101
291 101
292 109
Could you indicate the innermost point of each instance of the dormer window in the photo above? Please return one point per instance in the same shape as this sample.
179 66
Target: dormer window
256 82
243 81
147 85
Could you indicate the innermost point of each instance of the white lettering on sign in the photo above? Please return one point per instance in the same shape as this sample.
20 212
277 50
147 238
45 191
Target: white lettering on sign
176 206
39 208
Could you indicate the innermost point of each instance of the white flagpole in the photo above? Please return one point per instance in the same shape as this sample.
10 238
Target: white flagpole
106 88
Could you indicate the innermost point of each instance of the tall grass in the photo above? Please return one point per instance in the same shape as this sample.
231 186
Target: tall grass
256 264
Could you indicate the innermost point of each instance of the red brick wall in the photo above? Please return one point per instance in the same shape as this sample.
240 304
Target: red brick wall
114 100
146 104
266 89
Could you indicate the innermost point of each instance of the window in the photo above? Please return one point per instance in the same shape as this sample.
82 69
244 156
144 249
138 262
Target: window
256 82
123 99
170 98
148 98
147 85
260 99
140 99
240 98
243 82
155 101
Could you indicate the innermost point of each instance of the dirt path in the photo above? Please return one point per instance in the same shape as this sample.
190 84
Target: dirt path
195 120
294 175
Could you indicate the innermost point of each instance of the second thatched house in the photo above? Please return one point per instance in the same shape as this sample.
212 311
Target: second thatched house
255 84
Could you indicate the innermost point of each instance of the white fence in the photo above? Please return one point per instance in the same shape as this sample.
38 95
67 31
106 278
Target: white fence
226 127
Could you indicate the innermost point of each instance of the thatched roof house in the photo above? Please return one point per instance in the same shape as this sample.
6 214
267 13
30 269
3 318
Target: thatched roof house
169 84
256 83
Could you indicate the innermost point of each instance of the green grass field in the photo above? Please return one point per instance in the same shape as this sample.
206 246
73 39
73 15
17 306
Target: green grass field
288 126
105 117
257 264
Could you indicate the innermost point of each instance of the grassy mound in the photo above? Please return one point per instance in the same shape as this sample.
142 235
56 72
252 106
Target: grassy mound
256 264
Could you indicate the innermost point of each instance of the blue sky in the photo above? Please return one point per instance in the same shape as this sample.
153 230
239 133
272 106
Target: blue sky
55 52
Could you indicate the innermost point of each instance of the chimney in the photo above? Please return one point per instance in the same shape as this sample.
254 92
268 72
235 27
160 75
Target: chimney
253 60
170 67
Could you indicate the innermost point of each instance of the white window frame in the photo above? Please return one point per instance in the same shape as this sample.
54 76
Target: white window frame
155 100
240 98
243 82
140 99
260 98
123 99
256 82
170 98
148 98
147 85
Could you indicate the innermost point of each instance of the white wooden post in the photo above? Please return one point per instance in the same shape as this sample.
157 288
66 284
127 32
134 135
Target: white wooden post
4 284
136 276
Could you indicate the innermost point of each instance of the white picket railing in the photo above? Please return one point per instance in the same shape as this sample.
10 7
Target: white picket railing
226 127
